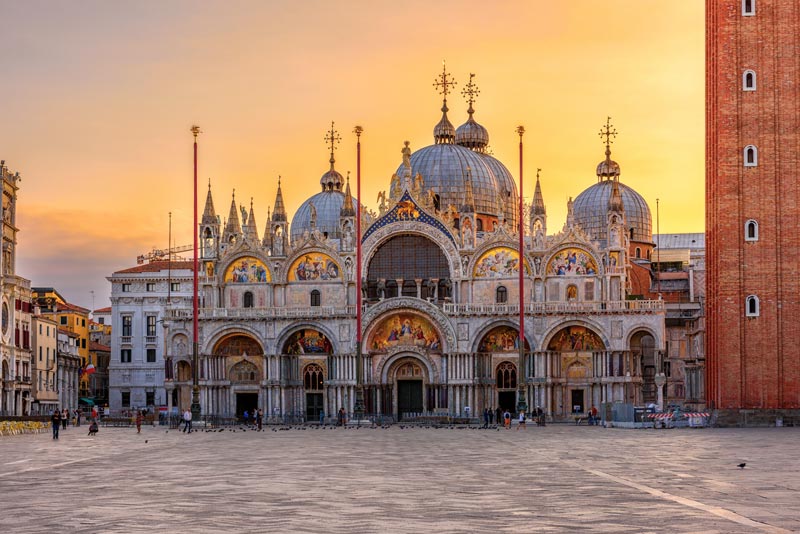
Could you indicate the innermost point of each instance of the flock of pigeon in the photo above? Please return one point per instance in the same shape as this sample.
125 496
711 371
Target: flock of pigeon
339 427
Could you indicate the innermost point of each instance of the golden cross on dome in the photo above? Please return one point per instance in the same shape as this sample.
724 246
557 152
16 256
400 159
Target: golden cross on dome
608 132
471 91
445 81
332 137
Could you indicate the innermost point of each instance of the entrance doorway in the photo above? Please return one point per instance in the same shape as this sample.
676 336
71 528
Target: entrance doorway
246 401
577 401
507 400
313 406
409 398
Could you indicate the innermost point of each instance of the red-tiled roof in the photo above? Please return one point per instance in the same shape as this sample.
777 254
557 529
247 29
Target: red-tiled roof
66 306
94 345
157 266
107 309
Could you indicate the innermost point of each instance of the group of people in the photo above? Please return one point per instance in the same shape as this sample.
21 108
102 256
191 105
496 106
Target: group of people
504 417
59 420
256 417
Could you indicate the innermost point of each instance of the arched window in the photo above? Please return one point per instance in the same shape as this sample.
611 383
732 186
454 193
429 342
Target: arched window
750 156
749 80
479 225
502 295
244 371
638 252
408 257
751 230
506 376
748 8
315 298
248 299
649 255
312 377
752 306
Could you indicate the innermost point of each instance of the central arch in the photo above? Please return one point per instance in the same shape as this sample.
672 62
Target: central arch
408 257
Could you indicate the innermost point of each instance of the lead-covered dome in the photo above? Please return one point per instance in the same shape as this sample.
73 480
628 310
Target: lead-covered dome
328 205
590 211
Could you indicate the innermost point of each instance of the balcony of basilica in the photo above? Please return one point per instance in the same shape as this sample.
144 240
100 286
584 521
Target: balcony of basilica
556 308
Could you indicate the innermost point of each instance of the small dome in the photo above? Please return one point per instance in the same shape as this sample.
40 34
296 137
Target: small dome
608 168
444 132
590 212
472 135
328 205
332 180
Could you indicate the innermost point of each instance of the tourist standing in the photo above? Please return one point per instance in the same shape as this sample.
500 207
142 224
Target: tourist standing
491 416
139 418
64 418
187 421
260 420
499 414
486 418
507 419
322 417
77 418
521 421
55 420
245 416
340 417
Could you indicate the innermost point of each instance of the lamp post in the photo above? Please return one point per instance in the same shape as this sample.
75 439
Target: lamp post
195 323
522 406
358 409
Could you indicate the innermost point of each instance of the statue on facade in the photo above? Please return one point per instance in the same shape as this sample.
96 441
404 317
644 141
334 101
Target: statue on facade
313 211
395 191
381 288
382 202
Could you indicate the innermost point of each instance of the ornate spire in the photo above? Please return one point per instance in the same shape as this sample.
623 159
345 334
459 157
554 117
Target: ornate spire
250 230
279 211
209 215
444 132
615 200
608 168
332 180
537 207
267 242
469 199
347 207
232 227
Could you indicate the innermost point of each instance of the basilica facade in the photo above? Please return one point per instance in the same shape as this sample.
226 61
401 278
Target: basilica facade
440 296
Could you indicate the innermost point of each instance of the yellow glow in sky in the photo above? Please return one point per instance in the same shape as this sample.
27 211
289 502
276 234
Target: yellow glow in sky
98 98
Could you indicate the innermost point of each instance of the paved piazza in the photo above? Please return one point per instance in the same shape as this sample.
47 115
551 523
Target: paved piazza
553 479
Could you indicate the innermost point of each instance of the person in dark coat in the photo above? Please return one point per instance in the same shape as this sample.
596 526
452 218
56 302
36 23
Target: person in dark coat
55 420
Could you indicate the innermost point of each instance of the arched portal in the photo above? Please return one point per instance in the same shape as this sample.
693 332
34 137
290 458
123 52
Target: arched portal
506 384
576 345
313 382
237 358
643 349
408 258
409 378
502 338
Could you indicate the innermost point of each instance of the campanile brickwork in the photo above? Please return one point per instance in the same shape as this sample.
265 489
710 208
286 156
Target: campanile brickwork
753 362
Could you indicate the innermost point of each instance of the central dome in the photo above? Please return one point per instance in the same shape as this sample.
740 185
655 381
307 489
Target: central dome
329 206
445 168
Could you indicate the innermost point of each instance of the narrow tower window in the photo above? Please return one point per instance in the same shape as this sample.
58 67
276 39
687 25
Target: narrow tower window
749 80
248 299
752 308
751 230
748 8
315 298
750 156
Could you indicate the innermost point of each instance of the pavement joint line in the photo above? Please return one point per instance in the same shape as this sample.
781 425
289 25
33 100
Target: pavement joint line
68 462
716 510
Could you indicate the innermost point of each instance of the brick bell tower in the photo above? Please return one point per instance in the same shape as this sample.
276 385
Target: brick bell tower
752 209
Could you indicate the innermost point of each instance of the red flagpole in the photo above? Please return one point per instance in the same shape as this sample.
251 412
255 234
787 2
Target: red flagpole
359 403
195 322
521 405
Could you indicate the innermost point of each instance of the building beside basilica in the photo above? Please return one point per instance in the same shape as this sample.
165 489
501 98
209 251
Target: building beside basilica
440 263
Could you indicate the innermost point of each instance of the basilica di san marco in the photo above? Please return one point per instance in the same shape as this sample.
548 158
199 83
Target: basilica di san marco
440 291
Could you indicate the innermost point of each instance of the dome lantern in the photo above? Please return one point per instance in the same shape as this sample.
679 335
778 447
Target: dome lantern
608 168
471 134
332 180
444 132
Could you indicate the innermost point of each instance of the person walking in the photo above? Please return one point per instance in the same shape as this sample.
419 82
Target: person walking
245 416
499 414
521 421
260 420
507 420
77 418
55 420
491 416
321 417
340 418
139 417
486 418
93 427
187 421
64 419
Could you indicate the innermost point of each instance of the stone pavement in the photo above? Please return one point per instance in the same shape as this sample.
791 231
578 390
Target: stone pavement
552 479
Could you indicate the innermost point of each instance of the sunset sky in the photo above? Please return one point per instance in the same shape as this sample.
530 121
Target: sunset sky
98 97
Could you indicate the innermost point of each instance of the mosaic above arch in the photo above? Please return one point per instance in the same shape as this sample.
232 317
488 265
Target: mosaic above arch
570 262
501 339
314 266
237 345
499 262
247 270
308 341
575 338
404 329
